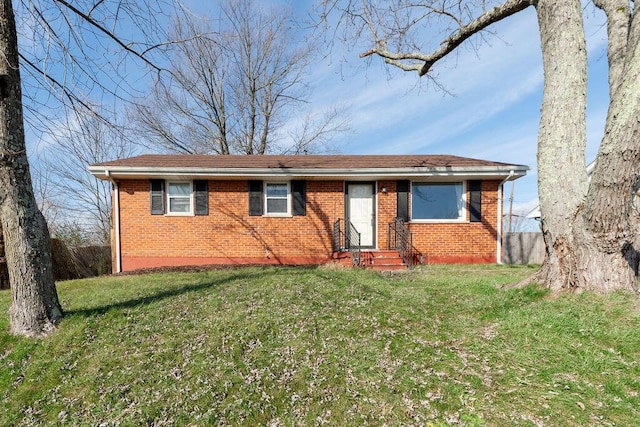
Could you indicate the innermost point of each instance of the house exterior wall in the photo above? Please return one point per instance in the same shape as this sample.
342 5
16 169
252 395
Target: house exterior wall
228 235
466 242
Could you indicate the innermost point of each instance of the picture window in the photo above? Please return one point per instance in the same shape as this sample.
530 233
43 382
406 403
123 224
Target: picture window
437 201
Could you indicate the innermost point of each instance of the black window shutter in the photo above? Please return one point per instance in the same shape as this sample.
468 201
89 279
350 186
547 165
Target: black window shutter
201 190
475 201
255 198
157 196
402 191
299 197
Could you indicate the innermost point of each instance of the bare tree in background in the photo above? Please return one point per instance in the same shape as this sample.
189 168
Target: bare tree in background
61 70
590 228
234 85
86 139
46 193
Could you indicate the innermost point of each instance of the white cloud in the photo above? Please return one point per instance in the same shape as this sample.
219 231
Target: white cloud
493 114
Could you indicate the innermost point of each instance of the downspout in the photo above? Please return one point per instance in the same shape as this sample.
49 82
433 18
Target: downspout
500 203
116 221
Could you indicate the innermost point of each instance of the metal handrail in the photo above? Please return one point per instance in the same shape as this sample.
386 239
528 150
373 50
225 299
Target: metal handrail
353 238
348 239
401 239
338 237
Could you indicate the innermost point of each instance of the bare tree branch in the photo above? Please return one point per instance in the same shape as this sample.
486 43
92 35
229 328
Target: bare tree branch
483 21
73 98
109 33
588 225
231 90
85 138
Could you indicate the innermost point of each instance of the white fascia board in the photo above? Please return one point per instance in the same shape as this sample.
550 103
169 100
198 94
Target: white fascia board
486 172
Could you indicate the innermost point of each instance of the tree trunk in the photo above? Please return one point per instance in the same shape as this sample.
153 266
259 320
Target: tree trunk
610 214
618 24
562 137
588 236
35 308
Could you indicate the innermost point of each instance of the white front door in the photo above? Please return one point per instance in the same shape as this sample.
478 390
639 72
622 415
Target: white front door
361 211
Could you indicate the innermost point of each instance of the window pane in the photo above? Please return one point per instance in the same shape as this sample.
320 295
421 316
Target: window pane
276 190
276 205
179 204
436 201
179 189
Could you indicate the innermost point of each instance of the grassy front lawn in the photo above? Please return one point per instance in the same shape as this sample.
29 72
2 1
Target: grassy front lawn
281 346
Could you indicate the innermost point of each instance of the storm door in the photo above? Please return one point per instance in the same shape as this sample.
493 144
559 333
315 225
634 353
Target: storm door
360 203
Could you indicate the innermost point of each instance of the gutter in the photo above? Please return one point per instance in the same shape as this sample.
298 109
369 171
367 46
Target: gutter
499 230
116 220
443 172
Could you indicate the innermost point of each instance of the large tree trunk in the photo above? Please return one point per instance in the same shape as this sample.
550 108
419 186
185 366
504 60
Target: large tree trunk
589 236
562 136
610 215
590 228
35 308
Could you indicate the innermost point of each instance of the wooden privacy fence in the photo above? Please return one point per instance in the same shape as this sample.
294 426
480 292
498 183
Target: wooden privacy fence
522 248
85 261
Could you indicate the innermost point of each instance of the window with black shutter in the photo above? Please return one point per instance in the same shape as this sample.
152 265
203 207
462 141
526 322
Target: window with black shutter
475 201
255 198
437 201
201 191
179 198
299 198
402 192
157 196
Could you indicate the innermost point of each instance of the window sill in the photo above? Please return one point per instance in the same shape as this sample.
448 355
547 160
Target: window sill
180 214
438 221
274 215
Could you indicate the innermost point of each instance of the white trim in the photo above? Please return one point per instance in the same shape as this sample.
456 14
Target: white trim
169 197
499 228
439 221
116 225
264 201
365 174
376 222
374 199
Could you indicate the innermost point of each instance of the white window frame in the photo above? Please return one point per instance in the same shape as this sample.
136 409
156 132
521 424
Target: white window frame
169 197
266 197
462 213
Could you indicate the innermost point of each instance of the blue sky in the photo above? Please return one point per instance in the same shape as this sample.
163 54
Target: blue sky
492 111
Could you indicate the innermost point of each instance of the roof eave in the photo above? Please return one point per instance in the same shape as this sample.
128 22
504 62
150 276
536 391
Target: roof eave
127 172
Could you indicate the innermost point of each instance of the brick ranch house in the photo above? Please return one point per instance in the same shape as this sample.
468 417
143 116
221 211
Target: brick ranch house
171 210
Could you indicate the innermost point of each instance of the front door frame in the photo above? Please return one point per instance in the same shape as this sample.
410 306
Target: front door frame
374 221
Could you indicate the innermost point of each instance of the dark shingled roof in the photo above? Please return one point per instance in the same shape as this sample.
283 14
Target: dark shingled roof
299 162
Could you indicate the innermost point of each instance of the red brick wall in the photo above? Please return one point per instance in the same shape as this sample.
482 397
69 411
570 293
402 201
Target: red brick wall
468 242
386 211
229 235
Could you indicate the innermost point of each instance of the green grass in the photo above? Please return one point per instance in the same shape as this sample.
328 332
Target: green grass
283 346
